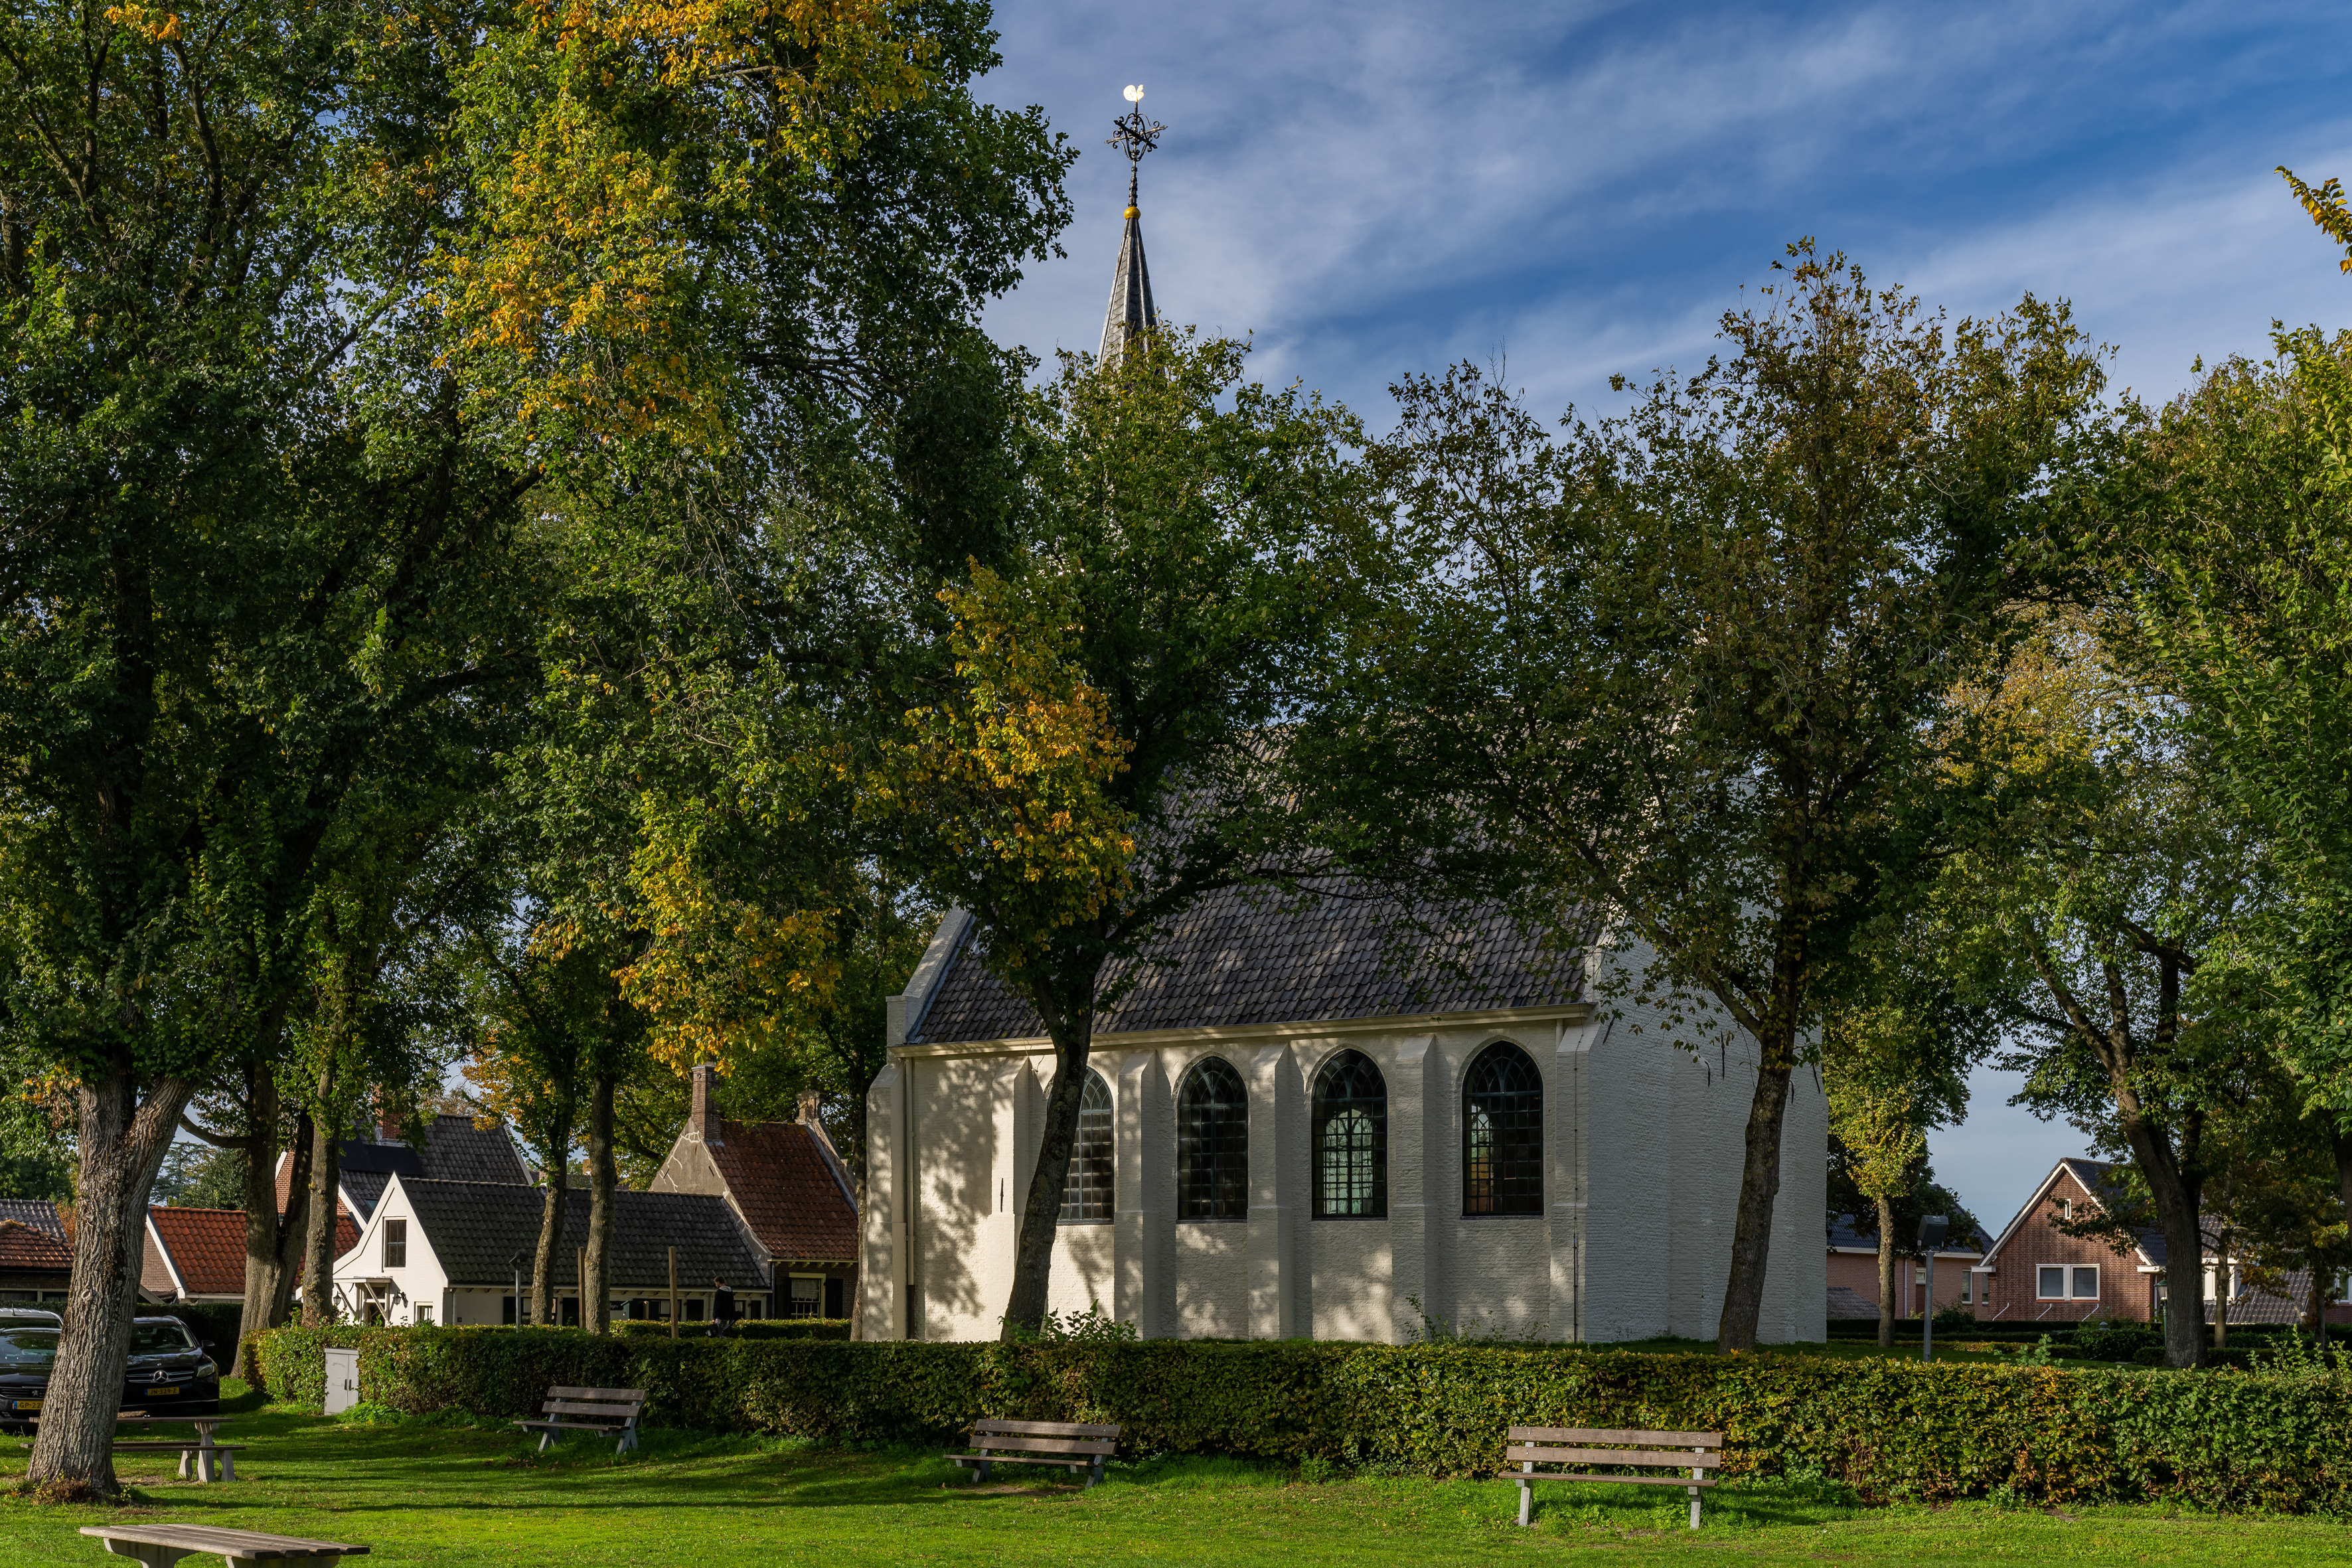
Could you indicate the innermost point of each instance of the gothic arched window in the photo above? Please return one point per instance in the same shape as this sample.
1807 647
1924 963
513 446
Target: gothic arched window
1351 1139
1212 1143
1502 1133
1086 1191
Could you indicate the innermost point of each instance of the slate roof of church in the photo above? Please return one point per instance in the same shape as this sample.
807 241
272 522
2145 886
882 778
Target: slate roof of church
474 1227
1244 956
790 1196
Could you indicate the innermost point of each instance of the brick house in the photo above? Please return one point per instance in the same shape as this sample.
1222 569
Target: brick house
790 1188
198 1255
36 1263
1853 1274
2038 1273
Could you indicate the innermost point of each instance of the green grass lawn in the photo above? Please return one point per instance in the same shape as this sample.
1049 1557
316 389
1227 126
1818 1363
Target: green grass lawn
426 1493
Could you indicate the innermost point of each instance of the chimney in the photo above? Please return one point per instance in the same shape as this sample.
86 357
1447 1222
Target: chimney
807 1116
387 1119
703 1125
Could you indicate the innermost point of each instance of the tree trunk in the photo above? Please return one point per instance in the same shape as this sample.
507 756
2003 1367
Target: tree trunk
266 1263
294 1225
318 1246
2173 1181
1885 1273
1759 1188
596 1288
2184 1245
1041 1209
550 1233
122 1146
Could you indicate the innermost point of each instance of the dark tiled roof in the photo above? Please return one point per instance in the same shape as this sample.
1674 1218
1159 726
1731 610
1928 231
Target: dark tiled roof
474 1227
787 1190
454 1150
1846 1301
2098 1178
358 1158
362 1188
38 1213
1843 1233
24 1246
1245 956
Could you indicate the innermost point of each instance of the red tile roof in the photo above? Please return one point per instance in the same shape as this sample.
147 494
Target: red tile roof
786 1190
23 1246
206 1247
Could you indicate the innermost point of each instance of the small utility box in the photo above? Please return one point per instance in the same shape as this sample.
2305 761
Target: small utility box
342 1380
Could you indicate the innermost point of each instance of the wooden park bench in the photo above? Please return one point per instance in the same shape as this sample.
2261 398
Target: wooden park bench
1073 1444
161 1545
601 1410
1698 1452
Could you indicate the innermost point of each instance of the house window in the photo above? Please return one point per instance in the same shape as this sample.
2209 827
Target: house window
2049 1283
1502 1133
1212 1143
2086 1284
1086 1191
807 1299
424 1313
694 1309
1351 1139
395 1244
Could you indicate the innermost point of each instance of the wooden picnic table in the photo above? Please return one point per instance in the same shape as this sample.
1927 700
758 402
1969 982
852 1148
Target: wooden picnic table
213 1461
161 1545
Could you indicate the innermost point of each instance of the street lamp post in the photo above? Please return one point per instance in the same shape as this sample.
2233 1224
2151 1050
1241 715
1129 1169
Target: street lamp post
1931 1237
515 1263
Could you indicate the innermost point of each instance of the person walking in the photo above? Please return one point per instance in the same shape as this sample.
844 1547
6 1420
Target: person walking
722 1308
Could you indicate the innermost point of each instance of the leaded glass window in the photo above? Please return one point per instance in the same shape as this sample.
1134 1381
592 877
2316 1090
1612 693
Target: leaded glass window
1212 1143
1086 1191
1502 1133
1351 1139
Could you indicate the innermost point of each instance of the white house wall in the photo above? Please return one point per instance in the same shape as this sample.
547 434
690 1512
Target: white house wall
1643 1152
418 1282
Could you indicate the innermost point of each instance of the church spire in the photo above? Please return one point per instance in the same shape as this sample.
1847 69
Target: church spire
1131 315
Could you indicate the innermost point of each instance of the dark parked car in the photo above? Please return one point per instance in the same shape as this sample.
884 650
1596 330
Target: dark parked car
168 1372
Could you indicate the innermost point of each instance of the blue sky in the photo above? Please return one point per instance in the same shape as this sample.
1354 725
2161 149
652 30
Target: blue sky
1388 185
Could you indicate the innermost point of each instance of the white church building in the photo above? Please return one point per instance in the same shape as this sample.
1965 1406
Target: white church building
1284 1136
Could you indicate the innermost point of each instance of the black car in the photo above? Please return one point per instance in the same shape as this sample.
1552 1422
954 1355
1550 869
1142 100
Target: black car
168 1372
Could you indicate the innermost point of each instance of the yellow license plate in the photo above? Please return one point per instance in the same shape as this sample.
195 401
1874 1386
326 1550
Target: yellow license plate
152 1393
29 1404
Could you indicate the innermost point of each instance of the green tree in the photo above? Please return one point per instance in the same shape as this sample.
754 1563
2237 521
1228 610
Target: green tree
1098 748
260 565
2228 556
1673 674
2102 871
1895 1052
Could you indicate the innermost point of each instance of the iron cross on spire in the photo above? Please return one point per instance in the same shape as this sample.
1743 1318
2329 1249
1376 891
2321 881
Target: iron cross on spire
1135 136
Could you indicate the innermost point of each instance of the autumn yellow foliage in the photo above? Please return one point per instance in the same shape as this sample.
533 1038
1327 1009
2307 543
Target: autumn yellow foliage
719 976
1009 776
613 142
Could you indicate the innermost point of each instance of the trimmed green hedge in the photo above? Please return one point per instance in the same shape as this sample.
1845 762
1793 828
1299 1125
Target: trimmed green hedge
750 1329
1888 1428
